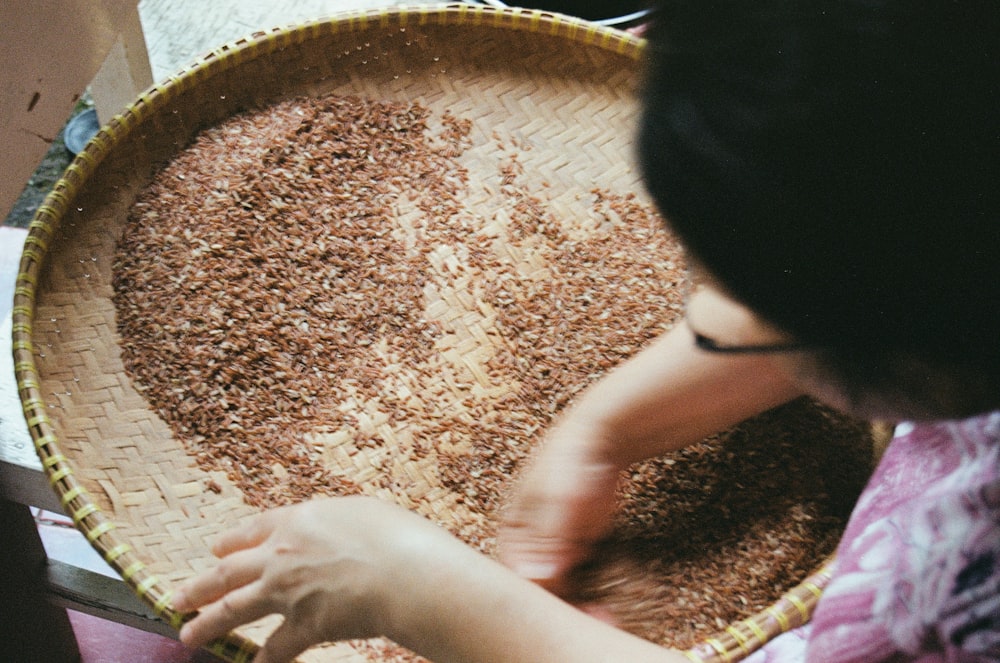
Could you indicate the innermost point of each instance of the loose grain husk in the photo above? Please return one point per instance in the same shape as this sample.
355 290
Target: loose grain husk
543 94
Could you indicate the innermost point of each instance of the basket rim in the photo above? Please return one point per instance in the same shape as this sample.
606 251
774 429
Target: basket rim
738 640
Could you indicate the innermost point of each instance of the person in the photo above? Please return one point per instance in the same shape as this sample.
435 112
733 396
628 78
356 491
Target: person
830 166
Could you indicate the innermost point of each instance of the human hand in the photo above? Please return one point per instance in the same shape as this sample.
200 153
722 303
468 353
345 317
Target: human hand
564 504
667 396
337 569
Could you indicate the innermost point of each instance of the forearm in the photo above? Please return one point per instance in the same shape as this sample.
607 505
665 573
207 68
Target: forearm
672 394
357 567
504 618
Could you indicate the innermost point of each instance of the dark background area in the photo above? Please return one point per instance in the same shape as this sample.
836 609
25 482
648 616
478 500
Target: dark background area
45 176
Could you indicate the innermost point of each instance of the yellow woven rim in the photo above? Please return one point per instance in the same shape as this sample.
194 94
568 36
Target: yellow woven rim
736 642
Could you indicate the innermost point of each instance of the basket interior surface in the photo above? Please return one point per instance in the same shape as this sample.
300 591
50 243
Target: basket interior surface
554 94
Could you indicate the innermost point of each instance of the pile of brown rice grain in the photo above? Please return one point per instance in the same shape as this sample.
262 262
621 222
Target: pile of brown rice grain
261 261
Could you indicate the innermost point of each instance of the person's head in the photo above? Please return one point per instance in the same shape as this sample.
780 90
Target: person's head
832 165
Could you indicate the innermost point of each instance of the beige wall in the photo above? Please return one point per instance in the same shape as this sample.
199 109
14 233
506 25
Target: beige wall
50 51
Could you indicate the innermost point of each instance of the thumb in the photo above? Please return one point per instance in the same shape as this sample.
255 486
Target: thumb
285 644
546 562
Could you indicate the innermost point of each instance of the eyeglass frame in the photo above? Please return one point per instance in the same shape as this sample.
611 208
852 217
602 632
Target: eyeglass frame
709 344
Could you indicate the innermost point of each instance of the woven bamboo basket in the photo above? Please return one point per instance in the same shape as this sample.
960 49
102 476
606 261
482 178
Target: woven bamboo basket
566 85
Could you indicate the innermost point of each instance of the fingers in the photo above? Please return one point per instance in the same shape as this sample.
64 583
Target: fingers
600 612
534 546
235 571
285 643
563 508
252 533
241 606
545 560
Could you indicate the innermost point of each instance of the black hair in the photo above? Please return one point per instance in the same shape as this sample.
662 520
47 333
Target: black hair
834 165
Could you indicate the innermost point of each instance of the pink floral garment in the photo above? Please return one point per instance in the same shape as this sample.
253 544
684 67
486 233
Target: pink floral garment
918 569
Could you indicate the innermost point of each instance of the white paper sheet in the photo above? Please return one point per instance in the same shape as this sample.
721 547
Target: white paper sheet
15 442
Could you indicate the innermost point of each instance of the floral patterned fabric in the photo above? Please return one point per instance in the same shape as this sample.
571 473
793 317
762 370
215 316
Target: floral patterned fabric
918 569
